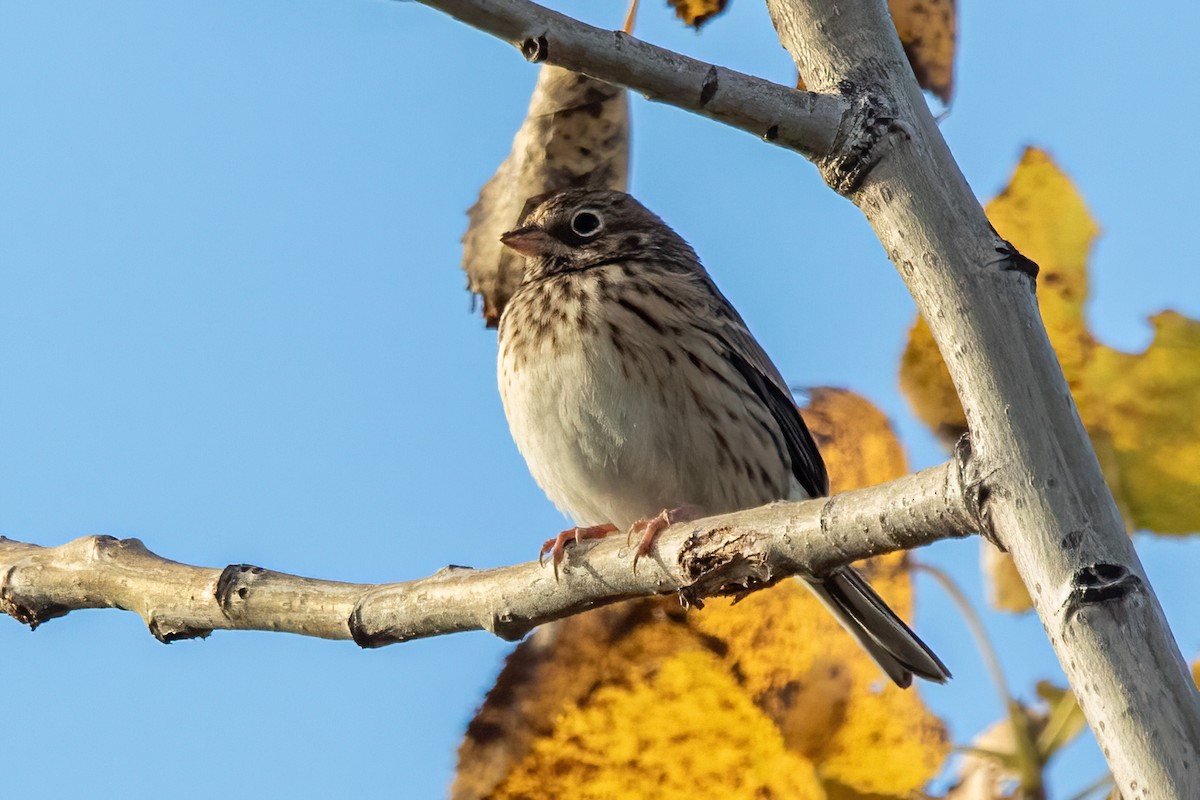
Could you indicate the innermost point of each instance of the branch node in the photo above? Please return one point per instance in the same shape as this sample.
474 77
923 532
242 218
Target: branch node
721 561
709 88
1100 583
368 639
860 142
27 614
167 631
103 546
535 49
234 584
1011 260
507 627
977 489
450 571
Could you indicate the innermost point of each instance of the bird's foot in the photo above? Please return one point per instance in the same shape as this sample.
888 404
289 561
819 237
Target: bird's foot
557 546
651 527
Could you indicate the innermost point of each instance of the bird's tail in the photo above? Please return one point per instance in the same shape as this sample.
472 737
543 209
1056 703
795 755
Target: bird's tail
882 634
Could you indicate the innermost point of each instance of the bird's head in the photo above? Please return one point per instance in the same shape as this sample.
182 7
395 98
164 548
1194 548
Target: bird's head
584 228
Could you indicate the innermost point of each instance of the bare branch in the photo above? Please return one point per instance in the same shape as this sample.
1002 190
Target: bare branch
719 555
801 121
1042 494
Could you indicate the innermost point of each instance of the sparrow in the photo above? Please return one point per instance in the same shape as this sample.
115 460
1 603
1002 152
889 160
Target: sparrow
639 398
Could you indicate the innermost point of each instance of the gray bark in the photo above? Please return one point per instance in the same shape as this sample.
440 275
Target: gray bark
719 555
801 121
1044 497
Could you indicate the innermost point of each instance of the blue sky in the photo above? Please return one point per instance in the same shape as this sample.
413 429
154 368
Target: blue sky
232 324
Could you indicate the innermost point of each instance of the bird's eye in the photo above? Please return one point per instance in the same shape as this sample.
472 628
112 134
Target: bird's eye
586 223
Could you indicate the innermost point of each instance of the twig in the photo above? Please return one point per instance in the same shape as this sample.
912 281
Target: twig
801 121
1030 764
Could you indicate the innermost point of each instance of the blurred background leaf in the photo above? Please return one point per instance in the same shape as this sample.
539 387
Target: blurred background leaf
697 12
927 30
1138 408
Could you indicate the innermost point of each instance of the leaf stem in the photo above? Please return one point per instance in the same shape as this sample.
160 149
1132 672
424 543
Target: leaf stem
1027 756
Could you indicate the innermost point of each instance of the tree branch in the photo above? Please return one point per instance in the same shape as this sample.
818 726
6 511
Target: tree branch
1036 486
1043 495
801 121
732 553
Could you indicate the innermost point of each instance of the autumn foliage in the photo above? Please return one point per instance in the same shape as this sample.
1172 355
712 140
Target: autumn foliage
1138 408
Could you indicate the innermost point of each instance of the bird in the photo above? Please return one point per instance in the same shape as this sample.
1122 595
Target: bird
639 398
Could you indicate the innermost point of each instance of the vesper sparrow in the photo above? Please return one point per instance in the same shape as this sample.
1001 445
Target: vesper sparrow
634 391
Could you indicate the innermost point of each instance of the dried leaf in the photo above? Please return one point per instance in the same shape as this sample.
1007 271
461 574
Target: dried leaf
766 697
928 32
575 134
1138 408
697 12
995 760
986 768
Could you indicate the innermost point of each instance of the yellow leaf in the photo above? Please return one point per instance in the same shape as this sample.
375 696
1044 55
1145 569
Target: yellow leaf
697 12
829 700
557 669
925 380
927 31
765 697
855 438
686 730
1138 408
1147 404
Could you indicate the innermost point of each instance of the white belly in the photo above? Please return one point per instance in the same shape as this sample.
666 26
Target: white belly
608 445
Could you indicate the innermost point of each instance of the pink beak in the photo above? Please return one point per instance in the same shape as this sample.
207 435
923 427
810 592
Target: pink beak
531 241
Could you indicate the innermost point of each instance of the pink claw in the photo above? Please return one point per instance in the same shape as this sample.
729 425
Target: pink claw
558 545
651 527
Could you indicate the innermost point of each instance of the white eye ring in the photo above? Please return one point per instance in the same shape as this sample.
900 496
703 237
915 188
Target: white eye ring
587 223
